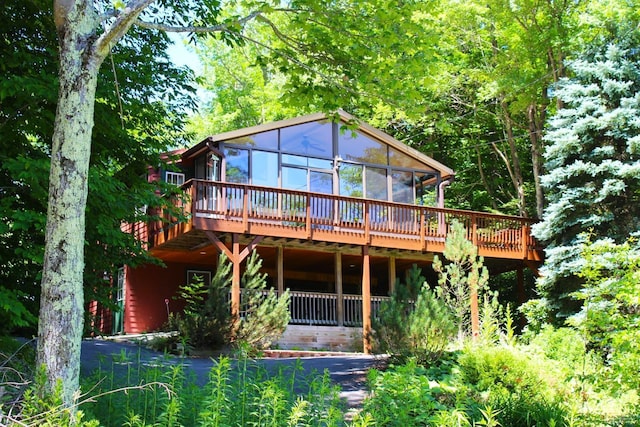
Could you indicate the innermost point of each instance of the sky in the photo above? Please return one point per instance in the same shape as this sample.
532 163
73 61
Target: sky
181 54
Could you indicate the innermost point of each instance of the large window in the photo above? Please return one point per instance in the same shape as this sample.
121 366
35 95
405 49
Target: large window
362 149
294 178
308 139
265 140
376 183
237 165
264 168
351 180
320 157
402 186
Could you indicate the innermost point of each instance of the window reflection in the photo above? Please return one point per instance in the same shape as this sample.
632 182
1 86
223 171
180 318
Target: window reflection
309 139
376 183
264 168
351 180
237 165
402 186
360 148
294 178
426 189
267 140
397 158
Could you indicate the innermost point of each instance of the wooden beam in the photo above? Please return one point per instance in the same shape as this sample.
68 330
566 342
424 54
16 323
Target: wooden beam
366 300
280 269
340 297
218 243
250 247
392 273
235 280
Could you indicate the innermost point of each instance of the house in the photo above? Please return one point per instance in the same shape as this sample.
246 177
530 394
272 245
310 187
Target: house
336 209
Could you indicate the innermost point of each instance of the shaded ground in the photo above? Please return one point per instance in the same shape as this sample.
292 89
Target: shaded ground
348 370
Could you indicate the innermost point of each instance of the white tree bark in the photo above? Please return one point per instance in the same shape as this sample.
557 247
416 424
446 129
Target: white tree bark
83 48
62 303
61 318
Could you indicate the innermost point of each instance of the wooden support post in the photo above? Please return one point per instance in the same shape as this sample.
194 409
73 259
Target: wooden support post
280 269
392 274
340 296
475 314
235 279
366 300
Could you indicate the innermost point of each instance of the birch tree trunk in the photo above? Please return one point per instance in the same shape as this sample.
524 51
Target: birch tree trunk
61 319
62 303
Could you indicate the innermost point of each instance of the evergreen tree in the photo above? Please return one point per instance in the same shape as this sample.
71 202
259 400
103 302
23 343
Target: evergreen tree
263 315
593 170
414 323
460 280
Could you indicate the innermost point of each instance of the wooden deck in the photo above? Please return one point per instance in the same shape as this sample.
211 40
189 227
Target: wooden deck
326 218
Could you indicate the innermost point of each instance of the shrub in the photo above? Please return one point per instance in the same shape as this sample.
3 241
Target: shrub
206 321
414 323
526 390
264 315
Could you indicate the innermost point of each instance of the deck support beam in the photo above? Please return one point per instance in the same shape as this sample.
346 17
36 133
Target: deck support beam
236 257
392 274
280 269
235 280
339 294
366 300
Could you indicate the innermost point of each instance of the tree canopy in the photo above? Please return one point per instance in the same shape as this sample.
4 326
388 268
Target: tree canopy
142 104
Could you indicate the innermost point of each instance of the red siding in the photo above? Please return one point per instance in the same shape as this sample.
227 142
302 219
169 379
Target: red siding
146 290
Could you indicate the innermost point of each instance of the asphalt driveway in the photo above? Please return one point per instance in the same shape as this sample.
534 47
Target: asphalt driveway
346 370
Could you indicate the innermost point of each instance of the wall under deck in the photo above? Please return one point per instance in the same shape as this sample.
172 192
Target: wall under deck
334 338
146 289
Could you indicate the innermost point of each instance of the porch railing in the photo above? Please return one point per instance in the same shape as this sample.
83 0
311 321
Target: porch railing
365 221
318 308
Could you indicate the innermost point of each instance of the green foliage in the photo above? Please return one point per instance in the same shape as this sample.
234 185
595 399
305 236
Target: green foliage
142 105
592 159
263 314
404 396
236 393
486 385
206 320
414 323
610 315
47 410
463 275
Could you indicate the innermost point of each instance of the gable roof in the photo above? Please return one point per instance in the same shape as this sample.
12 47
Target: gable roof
445 172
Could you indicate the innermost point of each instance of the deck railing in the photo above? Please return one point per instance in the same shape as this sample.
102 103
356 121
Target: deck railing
319 308
365 220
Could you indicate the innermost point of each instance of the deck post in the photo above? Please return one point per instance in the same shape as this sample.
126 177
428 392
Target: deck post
392 274
339 295
235 279
280 269
366 300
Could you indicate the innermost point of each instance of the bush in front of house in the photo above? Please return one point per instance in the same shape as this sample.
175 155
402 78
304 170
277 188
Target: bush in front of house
414 323
206 322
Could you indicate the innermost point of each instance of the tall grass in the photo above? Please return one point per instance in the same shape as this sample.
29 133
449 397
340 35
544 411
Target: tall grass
235 393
